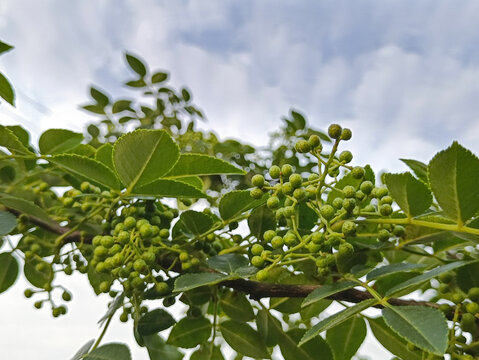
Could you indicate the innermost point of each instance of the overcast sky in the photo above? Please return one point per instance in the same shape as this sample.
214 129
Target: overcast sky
403 75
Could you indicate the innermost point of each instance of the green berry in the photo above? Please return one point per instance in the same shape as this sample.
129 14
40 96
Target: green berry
299 194
381 192
28 293
349 191
272 202
349 204
334 131
123 237
164 233
146 231
386 200
345 250
317 237
289 211
66 296
257 249
257 261
337 203
38 304
277 242
346 134
140 266
366 187
357 172
385 210
314 141
287 188
269 235
262 275
184 257
162 288
274 172
286 170
100 252
104 286
296 180
313 248
85 187
457 298
327 211
472 308
149 257
107 241
349 228
384 235
473 294
290 239
130 222
468 322
399 231
257 180
256 193
303 146
124 317
313 177
346 157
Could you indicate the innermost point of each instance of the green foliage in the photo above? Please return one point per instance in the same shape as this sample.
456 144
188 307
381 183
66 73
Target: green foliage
257 266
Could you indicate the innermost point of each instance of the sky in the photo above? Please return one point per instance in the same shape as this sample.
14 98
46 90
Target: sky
403 75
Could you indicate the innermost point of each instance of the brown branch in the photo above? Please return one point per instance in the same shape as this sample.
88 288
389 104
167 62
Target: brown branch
256 290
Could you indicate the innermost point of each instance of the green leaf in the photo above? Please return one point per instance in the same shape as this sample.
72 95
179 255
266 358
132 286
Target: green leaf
237 202
190 281
159 350
298 120
466 276
8 221
56 141
6 90
159 77
121 105
7 174
27 207
136 64
389 339
314 309
112 308
418 168
260 220
136 83
104 154
4 47
452 175
348 179
237 307
199 164
100 97
189 332
327 290
8 271
168 188
87 168
143 156
424 327
426 276
204 353
346 338
155 321
269 327
312 350
411 194
83 150
392 268
37 278
96 279
194 181
96 109
112 351
9 140
196 222
83 350
336 319
243 339
185 94
227 263
20 133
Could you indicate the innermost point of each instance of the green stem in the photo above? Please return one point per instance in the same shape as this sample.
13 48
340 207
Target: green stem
102 333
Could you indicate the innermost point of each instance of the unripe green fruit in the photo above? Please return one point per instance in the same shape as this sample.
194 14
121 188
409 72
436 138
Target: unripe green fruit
36 248
104 287
123 237
257 249
384 235
38 304
443 288
184 256
68 202
124 317
107 241
130 222
296 180
68 270
269 235
257 261
277 242
262 275
85 187
349 228
337 203
349 191
28 293
162 288
101 267
164 233
314 141
472 308
457 298
86 206
333 171
289 211
349 204
303 146
257 180
399 231
145 231
279 214
256 193
369 208
140 266
299 194
381 192
346 134
311 191
357 172
274 172
313 248
366 187
41 266
327 211
66 296
445 308
468 322
473 294
287 188
290 239
150 257
385 210
346 157
317 237
100 252
313 177
286 170
345 250
386 200
272 202
334 131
